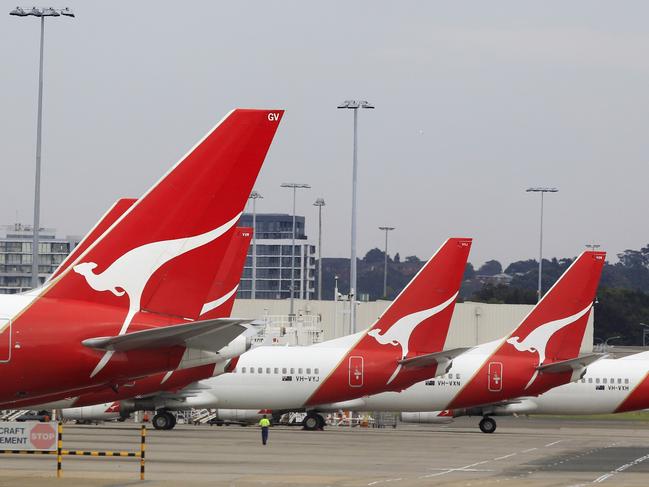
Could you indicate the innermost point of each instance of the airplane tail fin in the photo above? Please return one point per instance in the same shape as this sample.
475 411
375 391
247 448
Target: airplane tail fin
556 325
414 325
181 227
110 217
420 316
223 292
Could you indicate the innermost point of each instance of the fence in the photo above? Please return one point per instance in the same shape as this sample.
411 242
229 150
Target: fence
60 452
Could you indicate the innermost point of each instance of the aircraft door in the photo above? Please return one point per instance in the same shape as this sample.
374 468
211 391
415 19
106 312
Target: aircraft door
5 340
495 382
355 371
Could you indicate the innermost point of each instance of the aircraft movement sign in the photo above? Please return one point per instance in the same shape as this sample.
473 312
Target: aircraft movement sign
29 435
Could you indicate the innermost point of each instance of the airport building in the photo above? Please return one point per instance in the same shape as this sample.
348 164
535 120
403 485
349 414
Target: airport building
273 273
472 323
16 255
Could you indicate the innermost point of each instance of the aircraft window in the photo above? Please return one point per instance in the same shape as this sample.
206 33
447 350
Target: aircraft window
604 380
243 370
316 371
260 370
252 370
283 370
292 370
590 380
299 371
619 381
612 381
457 376
268 370
275 370
597 381
308 371
626 381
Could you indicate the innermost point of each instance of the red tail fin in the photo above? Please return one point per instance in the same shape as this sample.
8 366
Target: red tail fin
555 327
416 323
180 226
419 318
110 217
224 289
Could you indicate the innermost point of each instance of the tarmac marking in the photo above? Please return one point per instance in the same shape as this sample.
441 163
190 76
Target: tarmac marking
505 456
622 468
460 469
553 443
384 481
529 450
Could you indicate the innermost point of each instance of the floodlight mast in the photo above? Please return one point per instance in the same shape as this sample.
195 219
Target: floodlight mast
42 13
385 264
254 196
295 187
320 202
354 105
541 190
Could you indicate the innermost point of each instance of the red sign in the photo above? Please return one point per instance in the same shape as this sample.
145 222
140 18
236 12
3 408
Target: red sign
495 376
356 371
43 436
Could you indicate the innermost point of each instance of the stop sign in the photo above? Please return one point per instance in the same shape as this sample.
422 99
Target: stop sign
43 437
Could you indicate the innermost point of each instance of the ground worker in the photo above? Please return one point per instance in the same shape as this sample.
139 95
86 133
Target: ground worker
265 424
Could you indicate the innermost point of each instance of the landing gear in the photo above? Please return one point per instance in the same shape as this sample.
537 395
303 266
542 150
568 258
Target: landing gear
487 425
313 421
164 420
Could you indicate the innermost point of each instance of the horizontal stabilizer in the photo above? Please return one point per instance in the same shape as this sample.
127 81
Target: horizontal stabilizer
209 335
570 365
433 358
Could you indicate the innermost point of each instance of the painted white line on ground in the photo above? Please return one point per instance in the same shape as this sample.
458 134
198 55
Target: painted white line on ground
384 481
449 470
529 450
505 456
553 443
622 468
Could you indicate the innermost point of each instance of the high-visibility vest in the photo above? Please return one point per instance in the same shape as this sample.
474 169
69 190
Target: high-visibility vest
264 422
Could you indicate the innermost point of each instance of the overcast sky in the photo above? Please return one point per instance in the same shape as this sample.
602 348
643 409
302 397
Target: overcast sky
475 102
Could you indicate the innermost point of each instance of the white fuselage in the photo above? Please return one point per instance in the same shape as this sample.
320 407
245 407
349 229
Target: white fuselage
309 366
272 377
606 384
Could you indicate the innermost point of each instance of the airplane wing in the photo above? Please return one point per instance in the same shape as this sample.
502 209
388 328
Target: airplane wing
433 358
208 335
570 365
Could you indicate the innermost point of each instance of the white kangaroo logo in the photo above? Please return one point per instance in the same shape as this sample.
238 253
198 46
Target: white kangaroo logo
131 272
399 333
538 339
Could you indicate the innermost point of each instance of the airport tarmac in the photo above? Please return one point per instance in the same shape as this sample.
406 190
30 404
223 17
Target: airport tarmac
533 452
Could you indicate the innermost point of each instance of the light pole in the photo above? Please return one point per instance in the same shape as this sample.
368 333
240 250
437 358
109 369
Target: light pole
295 187
385 265
254 196
645 332
320 202
42 13
593 246
354 105
541 190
